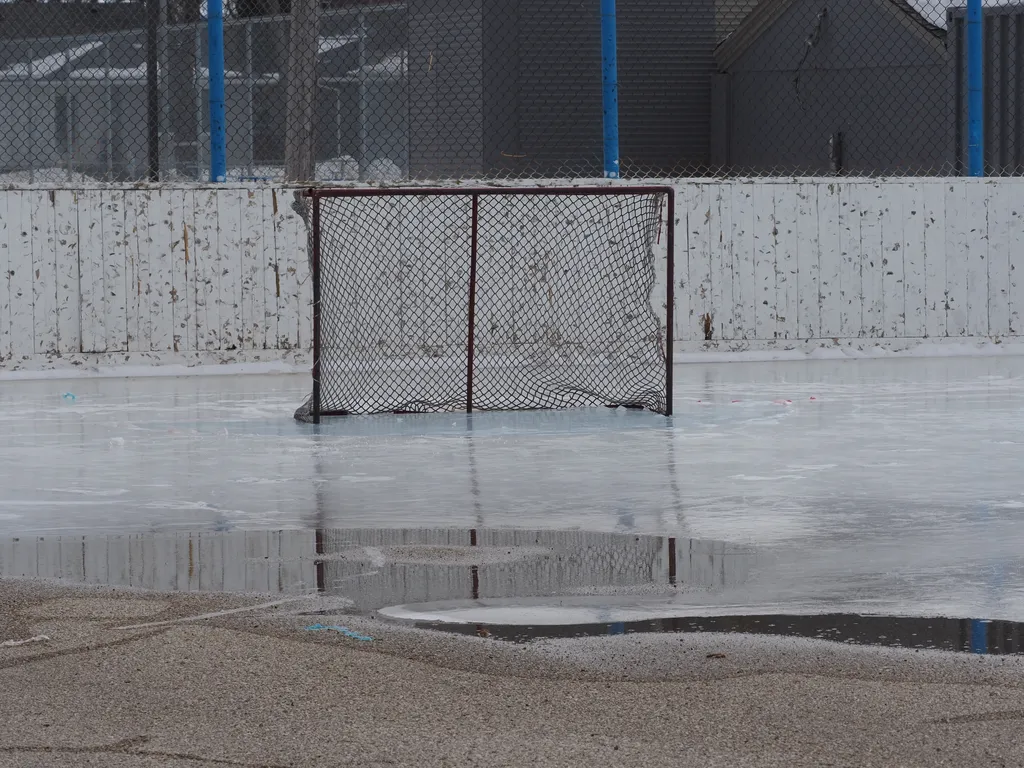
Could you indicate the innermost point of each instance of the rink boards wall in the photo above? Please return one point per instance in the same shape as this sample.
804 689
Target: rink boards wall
213 274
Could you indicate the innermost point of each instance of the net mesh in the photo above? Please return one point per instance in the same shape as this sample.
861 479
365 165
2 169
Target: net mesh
566 300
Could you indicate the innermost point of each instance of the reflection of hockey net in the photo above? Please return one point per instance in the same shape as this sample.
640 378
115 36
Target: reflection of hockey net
574 562
491 299
553 563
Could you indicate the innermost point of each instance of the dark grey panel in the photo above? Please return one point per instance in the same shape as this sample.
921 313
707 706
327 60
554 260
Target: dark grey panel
872 72
1004 89
666 59
445 88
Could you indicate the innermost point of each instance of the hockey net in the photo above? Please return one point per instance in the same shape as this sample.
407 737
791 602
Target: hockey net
490 299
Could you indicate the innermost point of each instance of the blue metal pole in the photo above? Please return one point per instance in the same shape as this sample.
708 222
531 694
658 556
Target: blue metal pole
610 82
975 90
218 123
979 636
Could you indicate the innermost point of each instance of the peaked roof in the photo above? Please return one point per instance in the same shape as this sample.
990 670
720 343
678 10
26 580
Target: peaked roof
767 12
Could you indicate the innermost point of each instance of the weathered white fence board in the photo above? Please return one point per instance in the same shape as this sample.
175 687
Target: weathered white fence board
870 262
206 259
157 290
1016 267
228 261
5 281
136 216
976 254
90 265
20 270
787 258
936 295
151 275
765 293
914 262
722 242
894 301
65 213
183 294
252 286
44 273
271 277
115 262
1000 228
830 260
808 274
957 246
700 260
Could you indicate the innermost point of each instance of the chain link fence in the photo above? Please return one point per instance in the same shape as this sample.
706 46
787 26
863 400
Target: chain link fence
446 89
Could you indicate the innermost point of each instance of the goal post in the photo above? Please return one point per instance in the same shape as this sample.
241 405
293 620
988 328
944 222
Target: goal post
492 298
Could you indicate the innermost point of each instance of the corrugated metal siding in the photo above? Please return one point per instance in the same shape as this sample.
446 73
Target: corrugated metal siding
445 89
560 87
1004 89
666 59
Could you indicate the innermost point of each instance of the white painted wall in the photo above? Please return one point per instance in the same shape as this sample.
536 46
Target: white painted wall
194 275
853 262
123 275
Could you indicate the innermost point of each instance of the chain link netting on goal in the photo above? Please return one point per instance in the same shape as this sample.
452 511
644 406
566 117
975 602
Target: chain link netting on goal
493 299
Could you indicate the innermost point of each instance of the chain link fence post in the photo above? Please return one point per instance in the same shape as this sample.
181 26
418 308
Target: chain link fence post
215 73
975 89
610 82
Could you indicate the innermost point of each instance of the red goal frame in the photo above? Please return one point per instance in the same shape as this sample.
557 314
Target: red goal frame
316 195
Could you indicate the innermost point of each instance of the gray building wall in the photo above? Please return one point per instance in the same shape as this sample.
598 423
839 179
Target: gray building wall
873 73
445 45
666 55
514 86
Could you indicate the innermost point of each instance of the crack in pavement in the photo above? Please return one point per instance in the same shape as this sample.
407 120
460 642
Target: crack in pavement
118 746
982 717
25 660
130 746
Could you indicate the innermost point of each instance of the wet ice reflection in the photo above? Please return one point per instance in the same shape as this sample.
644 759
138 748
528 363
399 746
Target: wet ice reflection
890 484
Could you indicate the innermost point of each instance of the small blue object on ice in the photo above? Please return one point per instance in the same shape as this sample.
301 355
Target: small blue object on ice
68 396
335 628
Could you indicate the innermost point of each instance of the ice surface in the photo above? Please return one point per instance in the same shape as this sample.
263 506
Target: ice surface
880 485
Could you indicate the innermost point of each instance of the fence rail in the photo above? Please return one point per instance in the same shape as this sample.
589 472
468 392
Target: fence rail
442 89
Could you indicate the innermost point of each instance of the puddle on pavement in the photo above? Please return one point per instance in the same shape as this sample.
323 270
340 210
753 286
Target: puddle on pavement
962 635
508 584
375 568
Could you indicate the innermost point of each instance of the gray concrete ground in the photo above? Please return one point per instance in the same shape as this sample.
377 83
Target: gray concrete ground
254 688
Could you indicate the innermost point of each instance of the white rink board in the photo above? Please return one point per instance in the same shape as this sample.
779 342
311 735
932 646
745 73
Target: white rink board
195 275
138 276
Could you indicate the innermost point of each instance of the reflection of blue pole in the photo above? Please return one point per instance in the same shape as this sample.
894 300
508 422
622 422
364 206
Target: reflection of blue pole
979 636
610 82
975 86
218 126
